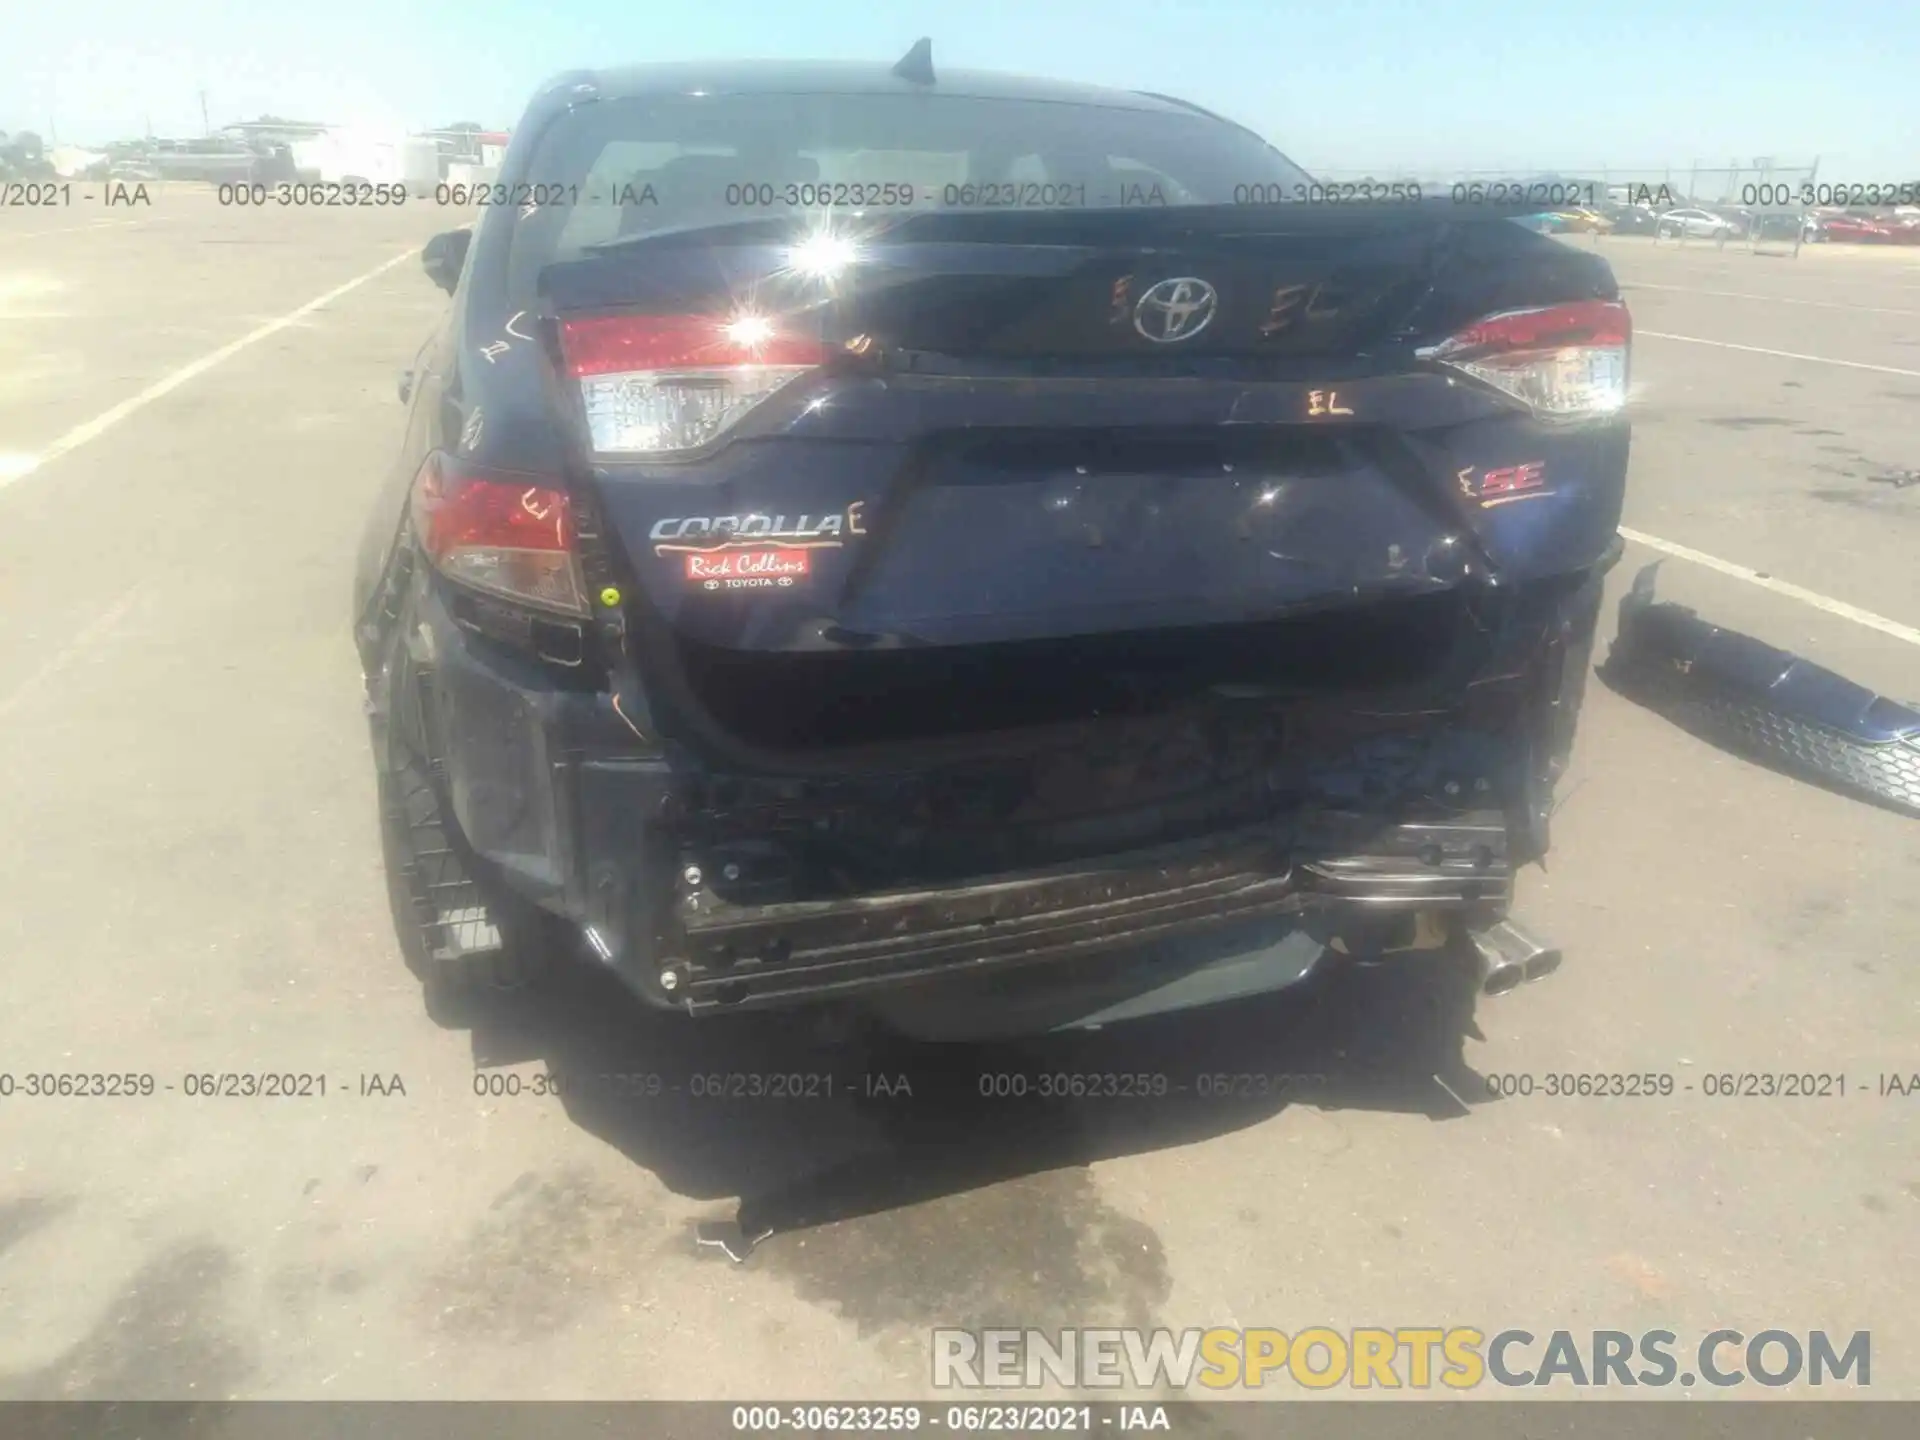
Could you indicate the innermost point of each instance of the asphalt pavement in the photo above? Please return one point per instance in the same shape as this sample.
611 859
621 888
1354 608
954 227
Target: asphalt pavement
190 886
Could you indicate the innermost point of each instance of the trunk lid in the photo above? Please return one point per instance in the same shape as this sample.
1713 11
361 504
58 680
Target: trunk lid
1034 426
1270 283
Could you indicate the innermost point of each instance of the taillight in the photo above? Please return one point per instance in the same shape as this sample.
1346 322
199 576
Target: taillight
1562 360
507 534
659 384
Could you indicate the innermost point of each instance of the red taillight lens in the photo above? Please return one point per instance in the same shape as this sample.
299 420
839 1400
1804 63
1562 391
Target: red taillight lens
625 344
1562 360
510 535
659 384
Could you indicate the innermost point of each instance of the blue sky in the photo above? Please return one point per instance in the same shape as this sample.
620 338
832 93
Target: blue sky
1341 85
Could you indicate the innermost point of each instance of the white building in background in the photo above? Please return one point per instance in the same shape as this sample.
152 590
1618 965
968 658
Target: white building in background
373 157
383 156
476 156
71 161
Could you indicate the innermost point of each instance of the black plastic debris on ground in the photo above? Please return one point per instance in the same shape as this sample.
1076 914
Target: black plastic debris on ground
1764 703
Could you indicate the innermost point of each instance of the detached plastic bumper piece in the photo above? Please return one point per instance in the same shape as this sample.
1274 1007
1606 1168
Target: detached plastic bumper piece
1765 703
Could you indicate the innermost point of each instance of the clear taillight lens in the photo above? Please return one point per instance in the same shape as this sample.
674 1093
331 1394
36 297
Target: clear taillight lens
658 384
507 534
1562 360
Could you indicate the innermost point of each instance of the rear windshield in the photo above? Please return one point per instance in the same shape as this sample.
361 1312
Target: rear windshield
657 164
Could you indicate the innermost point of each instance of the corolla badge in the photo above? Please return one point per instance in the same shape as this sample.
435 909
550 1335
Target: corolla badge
1176 309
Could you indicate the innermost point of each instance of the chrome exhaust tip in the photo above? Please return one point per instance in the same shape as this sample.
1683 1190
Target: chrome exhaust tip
1510 957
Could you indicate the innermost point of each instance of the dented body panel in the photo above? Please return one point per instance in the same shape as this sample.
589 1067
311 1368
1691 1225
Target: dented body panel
1007 457
1343 815
1008 642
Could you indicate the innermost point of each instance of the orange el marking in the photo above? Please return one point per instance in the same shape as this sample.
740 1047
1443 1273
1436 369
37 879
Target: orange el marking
1286 300
1325 402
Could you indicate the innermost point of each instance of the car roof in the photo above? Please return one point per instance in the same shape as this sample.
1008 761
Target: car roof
842 77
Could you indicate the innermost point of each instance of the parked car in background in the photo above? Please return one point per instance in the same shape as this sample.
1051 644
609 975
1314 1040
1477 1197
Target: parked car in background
213 160
1544 223
209 160
1631 219
1777 225
23 157
276 165
1583 221
1696 223
128 160
1861 227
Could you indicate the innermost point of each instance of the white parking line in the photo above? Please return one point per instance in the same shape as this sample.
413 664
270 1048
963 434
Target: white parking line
1782 354
1772 299
106 420
69 229
97 630
1778 587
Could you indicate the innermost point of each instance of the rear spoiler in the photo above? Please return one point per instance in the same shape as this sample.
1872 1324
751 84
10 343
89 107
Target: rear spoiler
1126 224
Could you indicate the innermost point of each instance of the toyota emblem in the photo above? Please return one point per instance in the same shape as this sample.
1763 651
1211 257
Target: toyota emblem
1176 309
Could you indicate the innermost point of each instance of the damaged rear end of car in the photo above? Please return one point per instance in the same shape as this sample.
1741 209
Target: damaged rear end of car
1027 606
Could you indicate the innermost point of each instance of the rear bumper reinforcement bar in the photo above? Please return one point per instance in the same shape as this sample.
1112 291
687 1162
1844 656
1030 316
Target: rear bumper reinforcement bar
743 955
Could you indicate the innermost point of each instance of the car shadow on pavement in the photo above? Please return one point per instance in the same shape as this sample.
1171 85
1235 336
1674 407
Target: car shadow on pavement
808 1126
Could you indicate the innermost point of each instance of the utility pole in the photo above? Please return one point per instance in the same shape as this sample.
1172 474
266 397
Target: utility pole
206 125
